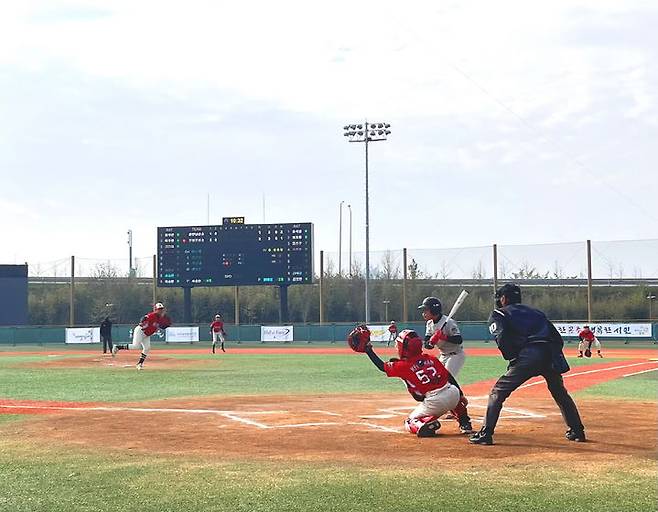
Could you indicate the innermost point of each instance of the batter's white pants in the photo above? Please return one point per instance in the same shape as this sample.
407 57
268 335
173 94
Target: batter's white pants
217 336
596 344
453 361
140 340
437 402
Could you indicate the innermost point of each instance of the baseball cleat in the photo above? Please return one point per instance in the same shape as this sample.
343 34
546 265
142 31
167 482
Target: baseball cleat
481 437
225 350
115 349
600 355
139 366
429 429
580 355
575 435
466 428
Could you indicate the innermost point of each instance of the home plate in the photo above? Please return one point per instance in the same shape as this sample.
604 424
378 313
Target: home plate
378 416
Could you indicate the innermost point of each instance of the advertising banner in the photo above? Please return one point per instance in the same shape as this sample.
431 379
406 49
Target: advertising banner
276 333
83 335
607 330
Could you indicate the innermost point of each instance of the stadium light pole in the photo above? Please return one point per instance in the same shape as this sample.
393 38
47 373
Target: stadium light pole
349 207
366 133
340 238
130 252
386 303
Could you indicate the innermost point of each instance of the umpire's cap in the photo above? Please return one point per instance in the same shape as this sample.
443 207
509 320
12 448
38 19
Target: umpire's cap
511 291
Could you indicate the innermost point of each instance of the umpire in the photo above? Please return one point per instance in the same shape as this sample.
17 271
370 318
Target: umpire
106 334
533 346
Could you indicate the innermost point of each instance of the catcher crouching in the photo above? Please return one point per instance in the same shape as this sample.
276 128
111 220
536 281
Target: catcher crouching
426 378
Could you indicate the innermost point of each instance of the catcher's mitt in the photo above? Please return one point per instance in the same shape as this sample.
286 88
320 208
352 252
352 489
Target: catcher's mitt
359 339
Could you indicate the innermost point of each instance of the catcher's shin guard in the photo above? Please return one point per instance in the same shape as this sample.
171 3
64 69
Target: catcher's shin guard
461 415
425 426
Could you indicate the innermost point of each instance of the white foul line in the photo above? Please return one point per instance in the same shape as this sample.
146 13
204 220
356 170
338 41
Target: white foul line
588 371
378 427
244 420
638 373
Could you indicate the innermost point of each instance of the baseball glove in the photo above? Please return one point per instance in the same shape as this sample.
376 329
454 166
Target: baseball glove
359 339
588 353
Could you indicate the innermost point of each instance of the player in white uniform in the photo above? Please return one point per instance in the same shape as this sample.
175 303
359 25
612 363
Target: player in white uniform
443 333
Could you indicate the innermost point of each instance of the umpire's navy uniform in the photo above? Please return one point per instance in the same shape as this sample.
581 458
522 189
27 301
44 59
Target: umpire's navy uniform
533 347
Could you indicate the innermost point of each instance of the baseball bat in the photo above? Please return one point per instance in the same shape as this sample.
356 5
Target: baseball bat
455 307
458 303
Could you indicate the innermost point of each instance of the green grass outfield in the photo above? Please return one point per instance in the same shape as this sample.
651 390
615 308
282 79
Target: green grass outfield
234 373
38 478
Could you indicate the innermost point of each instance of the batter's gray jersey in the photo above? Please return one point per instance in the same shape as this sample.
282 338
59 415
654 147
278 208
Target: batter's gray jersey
451 355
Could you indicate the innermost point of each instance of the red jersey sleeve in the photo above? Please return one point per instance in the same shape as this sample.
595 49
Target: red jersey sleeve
396 368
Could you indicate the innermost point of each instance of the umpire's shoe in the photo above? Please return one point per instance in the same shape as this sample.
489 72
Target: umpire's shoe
481 437
577 436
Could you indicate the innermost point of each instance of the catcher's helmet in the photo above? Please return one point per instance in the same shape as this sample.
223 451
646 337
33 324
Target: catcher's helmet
511 291
409 344
158 305
433 304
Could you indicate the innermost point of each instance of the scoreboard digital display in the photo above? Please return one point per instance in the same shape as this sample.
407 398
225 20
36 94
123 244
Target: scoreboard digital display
235 254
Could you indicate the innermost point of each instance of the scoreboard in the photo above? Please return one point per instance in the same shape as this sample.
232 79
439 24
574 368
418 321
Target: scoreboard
235 254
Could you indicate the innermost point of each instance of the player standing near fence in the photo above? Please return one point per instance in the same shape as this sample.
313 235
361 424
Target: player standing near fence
218 333
392 333
587 338
150 323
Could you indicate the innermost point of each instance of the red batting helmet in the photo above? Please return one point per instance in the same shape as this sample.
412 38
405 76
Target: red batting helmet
409 344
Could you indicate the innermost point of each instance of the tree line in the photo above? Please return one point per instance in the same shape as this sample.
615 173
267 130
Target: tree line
126 300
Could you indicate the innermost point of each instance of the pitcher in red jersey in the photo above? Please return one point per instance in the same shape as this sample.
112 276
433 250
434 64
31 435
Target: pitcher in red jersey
142 332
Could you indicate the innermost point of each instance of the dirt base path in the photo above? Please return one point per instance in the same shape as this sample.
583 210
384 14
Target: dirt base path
364 430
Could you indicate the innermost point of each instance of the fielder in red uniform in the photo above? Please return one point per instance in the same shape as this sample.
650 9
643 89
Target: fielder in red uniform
218 333
587 339
392 333
150 323
427 381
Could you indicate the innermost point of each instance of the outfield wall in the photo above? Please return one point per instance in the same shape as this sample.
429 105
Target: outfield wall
303 333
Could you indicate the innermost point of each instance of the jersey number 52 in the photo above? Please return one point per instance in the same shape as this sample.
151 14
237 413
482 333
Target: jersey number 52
423 376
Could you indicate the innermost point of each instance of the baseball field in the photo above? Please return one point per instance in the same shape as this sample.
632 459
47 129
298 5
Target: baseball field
311 428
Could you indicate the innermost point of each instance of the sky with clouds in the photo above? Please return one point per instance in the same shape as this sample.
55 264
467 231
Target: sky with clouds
512 122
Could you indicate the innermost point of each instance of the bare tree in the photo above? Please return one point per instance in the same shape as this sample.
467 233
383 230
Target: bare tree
390 268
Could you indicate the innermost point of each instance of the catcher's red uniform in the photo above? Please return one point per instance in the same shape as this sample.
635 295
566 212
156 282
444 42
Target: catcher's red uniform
421 375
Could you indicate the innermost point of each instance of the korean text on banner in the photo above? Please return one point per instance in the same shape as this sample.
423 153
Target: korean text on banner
607 330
